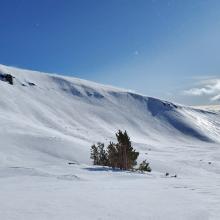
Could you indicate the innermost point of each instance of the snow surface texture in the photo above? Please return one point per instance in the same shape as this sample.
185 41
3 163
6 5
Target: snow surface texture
48 121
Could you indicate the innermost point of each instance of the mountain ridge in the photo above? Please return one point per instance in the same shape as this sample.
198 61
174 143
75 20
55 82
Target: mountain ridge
74 113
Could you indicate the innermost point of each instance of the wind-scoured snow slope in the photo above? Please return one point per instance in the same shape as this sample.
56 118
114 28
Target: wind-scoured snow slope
48 120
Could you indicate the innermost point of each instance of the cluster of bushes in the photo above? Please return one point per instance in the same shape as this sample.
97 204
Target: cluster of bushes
118 155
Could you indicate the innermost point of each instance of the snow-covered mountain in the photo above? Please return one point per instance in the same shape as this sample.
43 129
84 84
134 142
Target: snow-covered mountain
48 120
66 115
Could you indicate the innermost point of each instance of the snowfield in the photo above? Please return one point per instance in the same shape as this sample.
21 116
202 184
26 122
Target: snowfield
48 123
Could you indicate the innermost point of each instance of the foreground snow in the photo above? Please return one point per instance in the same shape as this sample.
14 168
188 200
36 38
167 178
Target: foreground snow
80 192
48 121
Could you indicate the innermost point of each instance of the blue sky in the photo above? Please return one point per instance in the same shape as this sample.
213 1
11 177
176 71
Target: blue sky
168 49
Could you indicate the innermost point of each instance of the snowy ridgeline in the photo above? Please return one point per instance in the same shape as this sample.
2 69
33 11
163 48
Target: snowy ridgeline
48 121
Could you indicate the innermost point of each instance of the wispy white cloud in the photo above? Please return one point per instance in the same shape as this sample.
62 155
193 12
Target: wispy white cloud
216 98
209 87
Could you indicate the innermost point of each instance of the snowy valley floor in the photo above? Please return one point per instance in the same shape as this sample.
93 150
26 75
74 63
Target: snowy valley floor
82 192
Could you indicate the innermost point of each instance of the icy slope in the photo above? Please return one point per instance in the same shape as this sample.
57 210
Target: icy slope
49 117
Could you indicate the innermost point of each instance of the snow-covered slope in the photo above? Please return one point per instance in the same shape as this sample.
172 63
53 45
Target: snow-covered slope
48 120
61 117
213 108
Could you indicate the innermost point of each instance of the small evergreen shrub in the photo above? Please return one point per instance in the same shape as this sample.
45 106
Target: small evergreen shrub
144 166
99 155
